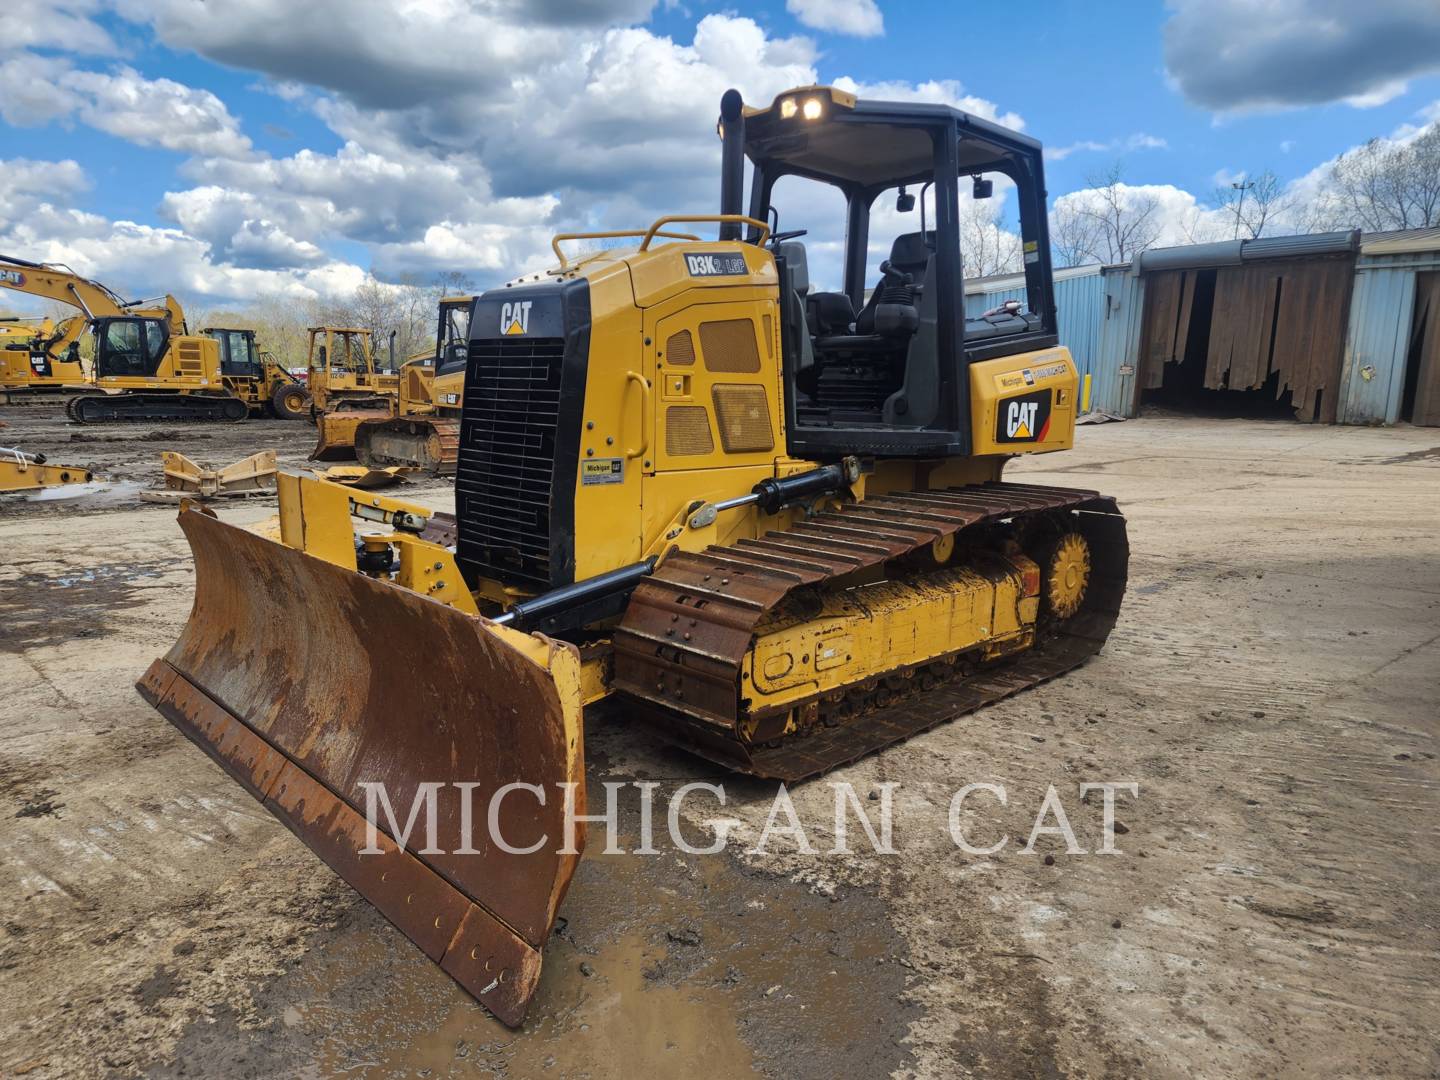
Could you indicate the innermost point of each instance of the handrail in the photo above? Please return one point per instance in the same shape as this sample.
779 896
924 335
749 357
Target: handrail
723 219
644 384
556 240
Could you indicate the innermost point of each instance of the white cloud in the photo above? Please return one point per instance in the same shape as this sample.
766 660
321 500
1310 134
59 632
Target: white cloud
470 133
157 112
36 89
1138 141
55 24
936 91
1232 55
858 18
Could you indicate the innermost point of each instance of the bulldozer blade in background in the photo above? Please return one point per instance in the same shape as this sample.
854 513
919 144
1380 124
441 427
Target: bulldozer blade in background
304 679
336 434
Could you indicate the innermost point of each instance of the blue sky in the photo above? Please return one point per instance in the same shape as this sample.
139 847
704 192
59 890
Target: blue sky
233 151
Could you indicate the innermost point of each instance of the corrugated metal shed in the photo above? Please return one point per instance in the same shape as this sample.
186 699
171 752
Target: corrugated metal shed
1297 247
1079 306
1382 310
1234 252
1221 253
1113 385
1401 242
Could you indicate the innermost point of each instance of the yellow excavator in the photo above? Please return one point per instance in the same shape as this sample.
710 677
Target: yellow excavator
348 385
147 366
767 520
424 433
39 357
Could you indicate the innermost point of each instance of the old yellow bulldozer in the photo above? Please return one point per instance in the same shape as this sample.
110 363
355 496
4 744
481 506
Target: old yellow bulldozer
769 520
424 433
348 385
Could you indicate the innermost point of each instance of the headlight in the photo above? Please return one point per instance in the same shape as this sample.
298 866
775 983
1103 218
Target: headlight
787 108
812 109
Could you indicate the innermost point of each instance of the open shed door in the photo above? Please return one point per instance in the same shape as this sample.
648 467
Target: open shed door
1422 390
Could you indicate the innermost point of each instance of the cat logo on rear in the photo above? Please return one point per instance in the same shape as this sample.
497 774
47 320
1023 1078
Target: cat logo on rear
515 318
1025 418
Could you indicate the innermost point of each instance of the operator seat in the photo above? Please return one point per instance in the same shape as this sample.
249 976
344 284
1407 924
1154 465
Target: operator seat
909 259
890 317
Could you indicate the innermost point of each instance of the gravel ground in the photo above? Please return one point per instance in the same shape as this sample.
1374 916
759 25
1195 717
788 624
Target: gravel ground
1271 689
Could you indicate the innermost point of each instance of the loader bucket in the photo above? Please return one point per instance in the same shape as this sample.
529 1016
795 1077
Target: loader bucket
304 680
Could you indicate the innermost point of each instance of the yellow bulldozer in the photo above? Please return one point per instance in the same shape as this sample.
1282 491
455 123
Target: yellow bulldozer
348 385
147 365
768 520
424 433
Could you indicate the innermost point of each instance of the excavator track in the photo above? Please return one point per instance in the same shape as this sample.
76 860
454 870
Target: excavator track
421 442
689 684
141 407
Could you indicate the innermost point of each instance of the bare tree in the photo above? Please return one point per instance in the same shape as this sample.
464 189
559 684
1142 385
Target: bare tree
1108 222
1254 203
1387 185
986 247
1074 236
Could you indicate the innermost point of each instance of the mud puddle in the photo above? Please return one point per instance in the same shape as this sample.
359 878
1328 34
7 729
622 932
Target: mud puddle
661 965
44 610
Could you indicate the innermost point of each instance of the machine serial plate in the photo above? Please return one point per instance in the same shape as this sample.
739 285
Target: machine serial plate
602 471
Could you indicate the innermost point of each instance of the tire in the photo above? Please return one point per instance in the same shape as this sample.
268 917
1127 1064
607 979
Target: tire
290 402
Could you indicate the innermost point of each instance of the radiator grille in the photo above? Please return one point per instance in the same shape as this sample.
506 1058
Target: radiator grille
188 357
505 472
687 431
729 346
743 414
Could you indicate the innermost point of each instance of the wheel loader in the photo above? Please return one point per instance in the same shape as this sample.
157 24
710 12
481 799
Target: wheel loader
147 365
425 432
766 521
348 385
258 378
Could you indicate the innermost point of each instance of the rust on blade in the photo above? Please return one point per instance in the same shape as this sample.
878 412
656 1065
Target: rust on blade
306 681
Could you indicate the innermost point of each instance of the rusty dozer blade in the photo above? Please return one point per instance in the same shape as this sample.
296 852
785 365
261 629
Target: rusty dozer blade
304 680
336 433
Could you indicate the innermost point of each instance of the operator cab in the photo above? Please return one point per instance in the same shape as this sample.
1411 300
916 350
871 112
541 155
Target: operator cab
452 339
238 355
129 347
876 357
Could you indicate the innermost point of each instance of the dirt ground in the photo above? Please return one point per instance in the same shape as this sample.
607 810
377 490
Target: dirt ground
1271 688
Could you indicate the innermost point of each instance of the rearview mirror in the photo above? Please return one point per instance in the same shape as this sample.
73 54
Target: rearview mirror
904 202
983 188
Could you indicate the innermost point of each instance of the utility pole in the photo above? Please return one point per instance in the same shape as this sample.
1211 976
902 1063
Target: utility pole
1241 186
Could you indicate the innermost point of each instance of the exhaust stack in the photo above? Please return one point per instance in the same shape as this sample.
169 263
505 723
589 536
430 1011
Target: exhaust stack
732 161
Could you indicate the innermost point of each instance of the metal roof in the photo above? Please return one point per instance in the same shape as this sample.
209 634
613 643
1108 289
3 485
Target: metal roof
1400 241
1234 252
